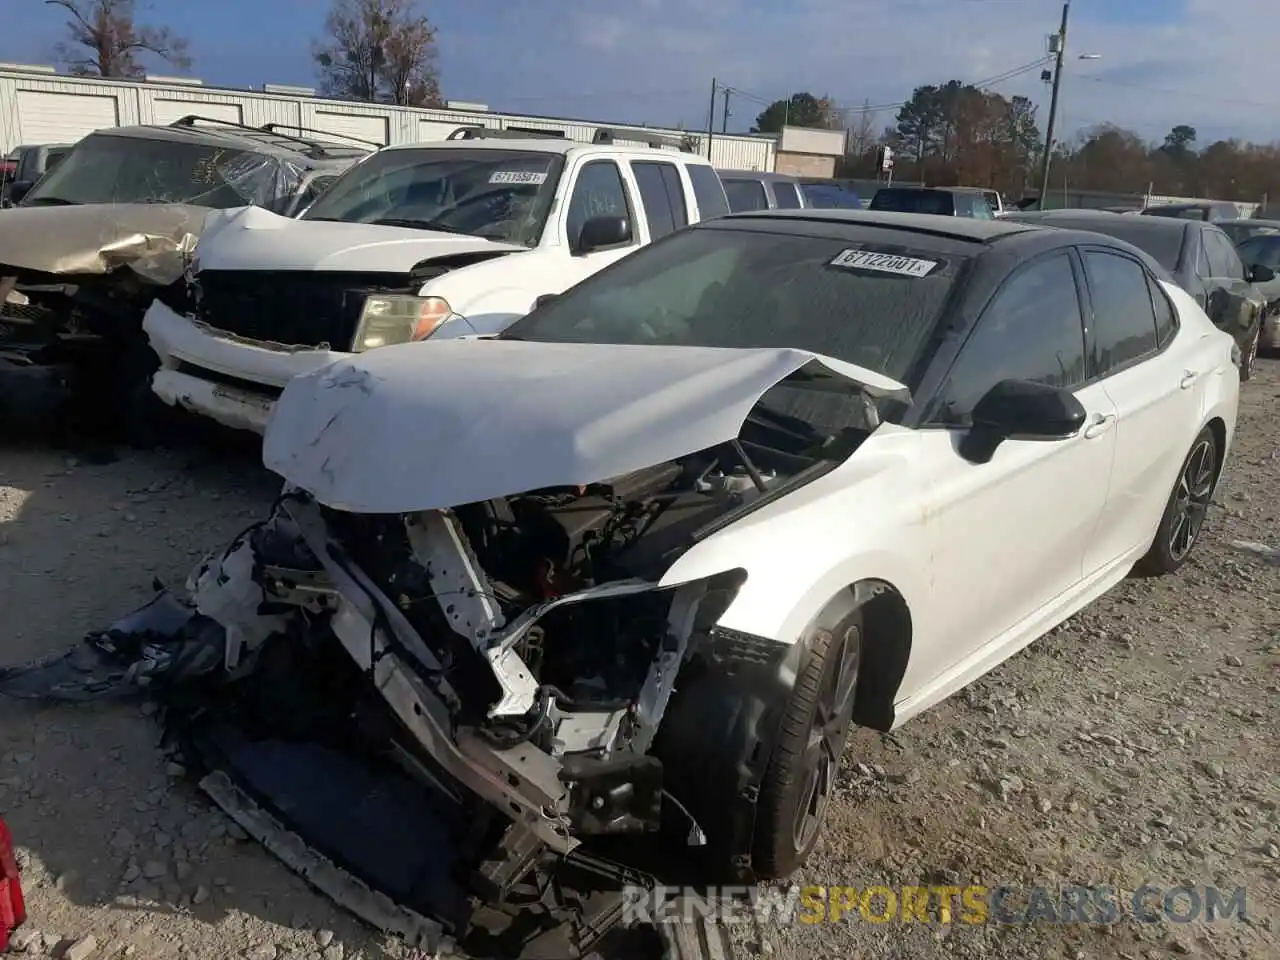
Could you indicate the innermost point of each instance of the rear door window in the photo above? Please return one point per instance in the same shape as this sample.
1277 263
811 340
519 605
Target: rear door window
786 195
1223 258
1124 322
662 195
708 191
746 195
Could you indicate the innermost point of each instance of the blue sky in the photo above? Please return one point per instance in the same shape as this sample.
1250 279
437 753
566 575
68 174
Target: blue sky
1211 63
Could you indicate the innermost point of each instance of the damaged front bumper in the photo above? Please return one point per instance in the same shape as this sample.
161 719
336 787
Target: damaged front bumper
227 379
321 721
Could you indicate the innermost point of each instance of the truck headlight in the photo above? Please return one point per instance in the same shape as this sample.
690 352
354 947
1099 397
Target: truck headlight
1236 357
386 319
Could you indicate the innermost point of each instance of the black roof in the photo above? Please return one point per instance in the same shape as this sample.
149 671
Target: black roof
1096 219
956 228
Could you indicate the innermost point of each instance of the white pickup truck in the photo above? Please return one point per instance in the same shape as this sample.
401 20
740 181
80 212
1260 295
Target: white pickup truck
453 238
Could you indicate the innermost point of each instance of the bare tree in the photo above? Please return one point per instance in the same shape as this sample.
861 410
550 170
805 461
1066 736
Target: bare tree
381 51
862 131
105 40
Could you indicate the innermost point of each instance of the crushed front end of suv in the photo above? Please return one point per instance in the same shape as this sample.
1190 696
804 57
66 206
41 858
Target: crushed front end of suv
110 229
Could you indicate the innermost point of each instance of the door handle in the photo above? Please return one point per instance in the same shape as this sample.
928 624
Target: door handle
1188 378
1101 424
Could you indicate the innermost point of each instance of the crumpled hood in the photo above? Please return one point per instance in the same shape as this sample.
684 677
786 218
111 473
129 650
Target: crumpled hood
152 239
434 425
250 238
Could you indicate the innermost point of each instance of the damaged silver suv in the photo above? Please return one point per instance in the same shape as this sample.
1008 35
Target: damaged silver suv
109 230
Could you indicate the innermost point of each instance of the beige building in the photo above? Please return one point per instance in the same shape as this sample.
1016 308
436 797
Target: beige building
807 152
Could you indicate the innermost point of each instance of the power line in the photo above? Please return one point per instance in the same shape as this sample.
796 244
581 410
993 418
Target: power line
876 107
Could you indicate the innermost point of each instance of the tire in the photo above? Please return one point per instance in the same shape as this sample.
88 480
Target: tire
801 773
1189 502
1250 354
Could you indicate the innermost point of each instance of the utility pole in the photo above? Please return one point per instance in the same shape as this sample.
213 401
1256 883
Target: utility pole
724 120
1053 105
711 116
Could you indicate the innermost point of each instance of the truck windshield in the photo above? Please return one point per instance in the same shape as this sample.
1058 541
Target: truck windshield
109 169
502 195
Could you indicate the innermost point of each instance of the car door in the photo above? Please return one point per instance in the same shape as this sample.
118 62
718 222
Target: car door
1232 301
1009 536
1152 376
598 191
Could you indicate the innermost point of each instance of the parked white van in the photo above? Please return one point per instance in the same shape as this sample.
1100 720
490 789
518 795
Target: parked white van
452 238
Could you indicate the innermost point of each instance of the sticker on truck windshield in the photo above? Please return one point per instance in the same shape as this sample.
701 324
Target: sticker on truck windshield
884 263
519 176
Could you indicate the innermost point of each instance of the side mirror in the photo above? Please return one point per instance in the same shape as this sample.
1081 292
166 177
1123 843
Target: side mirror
544 299
17 191
1021 410
601 232
1259 273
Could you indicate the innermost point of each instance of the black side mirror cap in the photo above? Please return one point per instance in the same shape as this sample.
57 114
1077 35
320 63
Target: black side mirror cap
599 233
1260 273
17 191
1021 410
544 300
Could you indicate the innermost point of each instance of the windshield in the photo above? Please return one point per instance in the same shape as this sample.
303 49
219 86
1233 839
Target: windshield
859 299
1240 232
914 201
1263 249
500 195
106 169
993 199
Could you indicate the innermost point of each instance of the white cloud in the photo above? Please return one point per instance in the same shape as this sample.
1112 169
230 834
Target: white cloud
1214 67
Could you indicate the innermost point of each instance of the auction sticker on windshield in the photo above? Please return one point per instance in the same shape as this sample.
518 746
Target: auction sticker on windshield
519 176
884 263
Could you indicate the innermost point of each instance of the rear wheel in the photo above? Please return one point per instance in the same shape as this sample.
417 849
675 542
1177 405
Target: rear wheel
802 771
1185 512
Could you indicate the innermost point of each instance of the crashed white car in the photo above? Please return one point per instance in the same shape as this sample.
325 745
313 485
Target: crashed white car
446 239
617 583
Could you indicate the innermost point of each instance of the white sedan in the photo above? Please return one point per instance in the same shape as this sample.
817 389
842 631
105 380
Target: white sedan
636 566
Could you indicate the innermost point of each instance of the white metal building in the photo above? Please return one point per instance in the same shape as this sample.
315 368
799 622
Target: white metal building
39 105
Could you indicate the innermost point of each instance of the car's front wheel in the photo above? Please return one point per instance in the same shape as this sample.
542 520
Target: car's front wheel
801 774
1185 511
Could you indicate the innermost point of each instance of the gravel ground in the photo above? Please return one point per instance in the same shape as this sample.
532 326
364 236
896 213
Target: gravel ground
1135 745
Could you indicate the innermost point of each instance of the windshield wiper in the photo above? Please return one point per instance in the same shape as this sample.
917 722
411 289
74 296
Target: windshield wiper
417 224
51 202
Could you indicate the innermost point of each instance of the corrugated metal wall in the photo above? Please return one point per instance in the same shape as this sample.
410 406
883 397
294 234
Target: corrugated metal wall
43 108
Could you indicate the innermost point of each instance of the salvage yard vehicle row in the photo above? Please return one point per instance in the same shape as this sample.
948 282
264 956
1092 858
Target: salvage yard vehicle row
444 240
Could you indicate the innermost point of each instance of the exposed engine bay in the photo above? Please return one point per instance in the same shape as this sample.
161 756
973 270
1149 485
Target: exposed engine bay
507 664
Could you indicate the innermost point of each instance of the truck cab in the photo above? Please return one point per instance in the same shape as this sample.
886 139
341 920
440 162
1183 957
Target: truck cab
431 240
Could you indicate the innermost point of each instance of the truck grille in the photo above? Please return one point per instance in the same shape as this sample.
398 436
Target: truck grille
295 309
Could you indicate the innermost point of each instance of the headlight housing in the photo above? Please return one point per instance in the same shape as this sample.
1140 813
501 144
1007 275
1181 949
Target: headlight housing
1236 356
390 318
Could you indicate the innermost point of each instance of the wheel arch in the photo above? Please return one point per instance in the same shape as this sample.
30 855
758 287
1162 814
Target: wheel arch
886 645
1219 428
